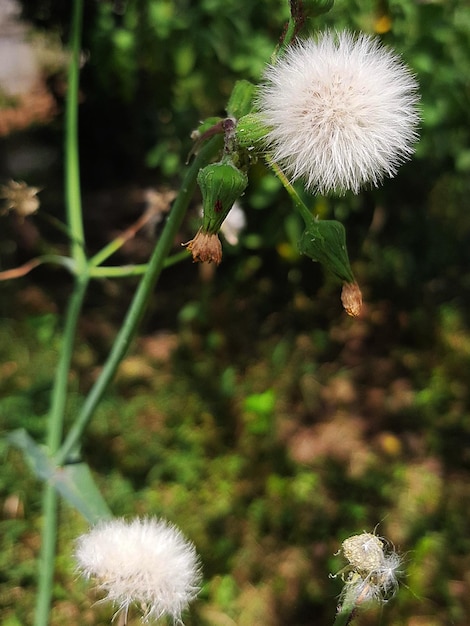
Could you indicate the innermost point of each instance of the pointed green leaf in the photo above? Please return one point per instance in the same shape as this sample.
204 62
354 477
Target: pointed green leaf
74 482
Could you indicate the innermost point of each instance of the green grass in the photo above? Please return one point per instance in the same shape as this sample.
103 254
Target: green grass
266 457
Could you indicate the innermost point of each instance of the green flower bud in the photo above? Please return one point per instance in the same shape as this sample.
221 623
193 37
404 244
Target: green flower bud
221 184
241 99
313 8
250 130
325 241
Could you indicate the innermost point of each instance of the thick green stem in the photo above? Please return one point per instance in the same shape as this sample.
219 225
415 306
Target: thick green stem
141 298
54 435
72 167
47 555
59 391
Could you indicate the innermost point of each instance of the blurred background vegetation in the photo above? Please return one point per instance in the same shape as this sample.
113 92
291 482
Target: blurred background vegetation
251 411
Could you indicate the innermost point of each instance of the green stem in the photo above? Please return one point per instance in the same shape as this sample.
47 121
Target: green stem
140 300
47 555
72 167
298 202
54 436
59 392
287 38
345 616
123 271
55 423
106 252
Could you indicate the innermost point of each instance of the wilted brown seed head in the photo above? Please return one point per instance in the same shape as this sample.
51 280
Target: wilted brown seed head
351 297
364 552
20 198
205 248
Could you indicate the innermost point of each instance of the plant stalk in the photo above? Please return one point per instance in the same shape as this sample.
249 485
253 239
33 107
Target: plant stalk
72 165
142 296
297 200
54 435
55 423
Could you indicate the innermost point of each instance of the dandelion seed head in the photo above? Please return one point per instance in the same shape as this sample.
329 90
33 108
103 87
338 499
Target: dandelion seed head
144 561
342 112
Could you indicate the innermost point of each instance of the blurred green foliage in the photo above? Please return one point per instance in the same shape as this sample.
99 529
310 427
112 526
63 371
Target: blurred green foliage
277 428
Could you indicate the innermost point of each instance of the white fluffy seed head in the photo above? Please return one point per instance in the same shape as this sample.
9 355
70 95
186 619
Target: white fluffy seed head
143 561
342 112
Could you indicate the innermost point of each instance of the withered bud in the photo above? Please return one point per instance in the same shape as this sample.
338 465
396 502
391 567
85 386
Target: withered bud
364 552
351 297
205 247
20 198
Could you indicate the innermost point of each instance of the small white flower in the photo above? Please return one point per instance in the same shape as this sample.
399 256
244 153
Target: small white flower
233 224
143 561
341 111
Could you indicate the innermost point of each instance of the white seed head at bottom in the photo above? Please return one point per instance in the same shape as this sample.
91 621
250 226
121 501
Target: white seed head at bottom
144 561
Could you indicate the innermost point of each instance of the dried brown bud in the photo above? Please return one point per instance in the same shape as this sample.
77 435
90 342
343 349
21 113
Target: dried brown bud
20 198
351 297
364 552
205 247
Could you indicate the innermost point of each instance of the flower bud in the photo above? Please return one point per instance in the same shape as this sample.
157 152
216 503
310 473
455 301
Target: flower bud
221 184
325 241
250 130
313 8
241 99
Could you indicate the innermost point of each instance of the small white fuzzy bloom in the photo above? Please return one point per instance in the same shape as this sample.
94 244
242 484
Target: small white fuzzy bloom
144 561
342 111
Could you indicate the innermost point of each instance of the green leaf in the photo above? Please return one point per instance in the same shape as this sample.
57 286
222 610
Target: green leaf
74 482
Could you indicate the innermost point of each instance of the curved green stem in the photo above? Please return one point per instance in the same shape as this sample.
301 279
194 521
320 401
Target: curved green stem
298 202
141 298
